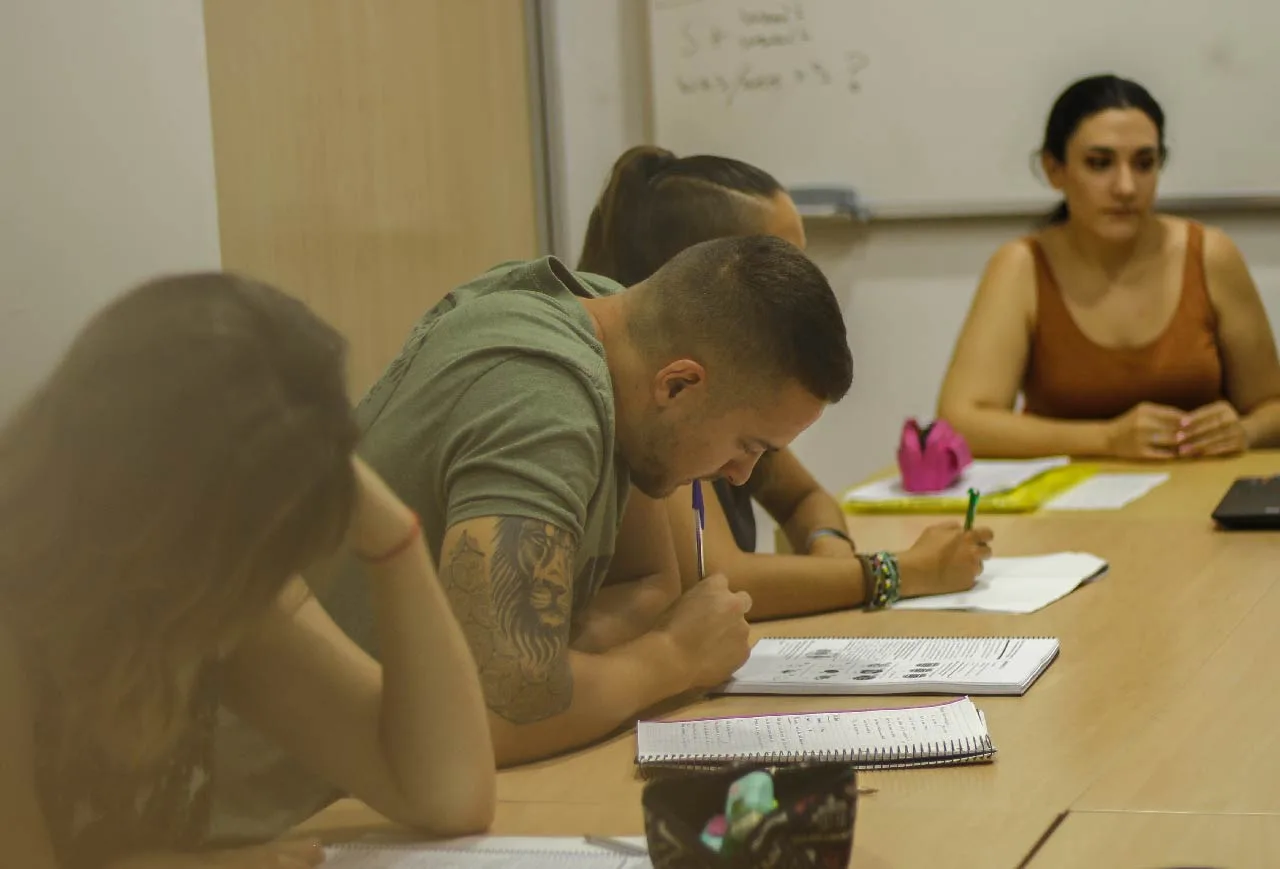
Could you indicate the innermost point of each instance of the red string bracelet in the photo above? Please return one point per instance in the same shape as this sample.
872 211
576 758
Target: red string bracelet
414 533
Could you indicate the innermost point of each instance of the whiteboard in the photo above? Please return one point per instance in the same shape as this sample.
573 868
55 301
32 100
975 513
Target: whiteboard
937 107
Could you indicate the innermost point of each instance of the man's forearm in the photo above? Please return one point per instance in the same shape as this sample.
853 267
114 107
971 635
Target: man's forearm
621 612
609 691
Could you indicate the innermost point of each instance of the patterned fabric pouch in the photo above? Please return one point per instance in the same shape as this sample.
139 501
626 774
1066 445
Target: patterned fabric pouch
811 828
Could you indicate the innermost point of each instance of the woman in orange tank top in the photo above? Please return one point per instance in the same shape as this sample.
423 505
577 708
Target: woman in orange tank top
1129 334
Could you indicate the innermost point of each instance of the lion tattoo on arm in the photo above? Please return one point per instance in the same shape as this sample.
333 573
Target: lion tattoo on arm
514 603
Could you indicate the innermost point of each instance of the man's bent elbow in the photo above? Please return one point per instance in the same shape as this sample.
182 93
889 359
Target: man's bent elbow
526 695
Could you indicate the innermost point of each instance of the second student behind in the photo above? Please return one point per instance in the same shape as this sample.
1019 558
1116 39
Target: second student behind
656 205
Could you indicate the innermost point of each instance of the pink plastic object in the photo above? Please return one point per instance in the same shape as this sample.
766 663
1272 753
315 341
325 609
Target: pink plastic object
931 459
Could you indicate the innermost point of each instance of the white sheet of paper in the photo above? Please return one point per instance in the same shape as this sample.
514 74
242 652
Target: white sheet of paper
988 477
483 852
1017 585
1106 492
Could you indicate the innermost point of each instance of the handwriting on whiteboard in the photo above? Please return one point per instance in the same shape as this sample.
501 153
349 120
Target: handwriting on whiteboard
733 50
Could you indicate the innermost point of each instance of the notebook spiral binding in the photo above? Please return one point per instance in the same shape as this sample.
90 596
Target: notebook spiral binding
933 754
900 639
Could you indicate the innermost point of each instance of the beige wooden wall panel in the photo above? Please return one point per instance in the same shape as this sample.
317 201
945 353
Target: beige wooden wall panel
371 154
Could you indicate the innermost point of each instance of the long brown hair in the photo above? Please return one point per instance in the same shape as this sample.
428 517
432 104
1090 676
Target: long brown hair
190 453
656 204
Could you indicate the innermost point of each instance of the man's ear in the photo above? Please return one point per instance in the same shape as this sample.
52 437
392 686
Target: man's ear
677 378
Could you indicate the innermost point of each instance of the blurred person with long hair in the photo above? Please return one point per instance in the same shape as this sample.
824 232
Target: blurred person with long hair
160 494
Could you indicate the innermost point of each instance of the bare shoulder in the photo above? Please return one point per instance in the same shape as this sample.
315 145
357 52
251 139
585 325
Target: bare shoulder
1009 280
1015 258
1012 268
1219 250
1225 269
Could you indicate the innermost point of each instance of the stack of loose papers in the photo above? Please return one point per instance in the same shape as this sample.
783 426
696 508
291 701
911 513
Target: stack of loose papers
893 665
988 477
1017 585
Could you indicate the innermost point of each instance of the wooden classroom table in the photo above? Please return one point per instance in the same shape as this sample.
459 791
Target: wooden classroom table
1161 840
1216 745
1165 678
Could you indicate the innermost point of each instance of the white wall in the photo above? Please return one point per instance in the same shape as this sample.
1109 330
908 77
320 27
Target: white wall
904 286
106 164
596 92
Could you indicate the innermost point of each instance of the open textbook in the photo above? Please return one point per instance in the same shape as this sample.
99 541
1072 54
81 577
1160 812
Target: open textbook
893 665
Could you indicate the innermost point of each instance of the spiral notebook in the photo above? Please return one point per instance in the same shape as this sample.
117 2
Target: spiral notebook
482 852
893 665
941 735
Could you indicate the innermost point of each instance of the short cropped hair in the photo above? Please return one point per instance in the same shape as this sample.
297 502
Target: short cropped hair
756 304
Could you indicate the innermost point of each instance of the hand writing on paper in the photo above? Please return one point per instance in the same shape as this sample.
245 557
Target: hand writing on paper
1213 430
945 559
708 628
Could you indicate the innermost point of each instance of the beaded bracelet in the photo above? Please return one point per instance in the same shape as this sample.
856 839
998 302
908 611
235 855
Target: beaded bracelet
883 584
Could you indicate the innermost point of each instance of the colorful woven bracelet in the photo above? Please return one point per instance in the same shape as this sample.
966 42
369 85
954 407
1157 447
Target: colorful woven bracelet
883 584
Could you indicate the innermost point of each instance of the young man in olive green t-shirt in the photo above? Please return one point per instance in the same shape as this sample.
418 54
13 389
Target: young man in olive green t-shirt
517 420
535 417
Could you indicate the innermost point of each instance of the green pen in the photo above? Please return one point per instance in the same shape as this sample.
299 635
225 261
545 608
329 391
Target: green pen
973 510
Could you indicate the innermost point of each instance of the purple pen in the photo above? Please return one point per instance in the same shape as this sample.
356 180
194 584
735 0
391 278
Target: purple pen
699 524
